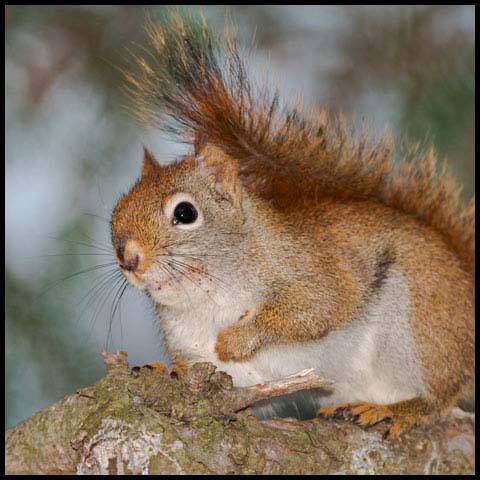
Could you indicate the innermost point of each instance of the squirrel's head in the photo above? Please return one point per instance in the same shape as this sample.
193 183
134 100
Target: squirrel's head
176 229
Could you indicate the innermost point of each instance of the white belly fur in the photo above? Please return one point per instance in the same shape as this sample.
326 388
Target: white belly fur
371 359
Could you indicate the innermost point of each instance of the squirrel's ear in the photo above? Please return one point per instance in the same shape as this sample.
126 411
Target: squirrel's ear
198 145
149 164
214 162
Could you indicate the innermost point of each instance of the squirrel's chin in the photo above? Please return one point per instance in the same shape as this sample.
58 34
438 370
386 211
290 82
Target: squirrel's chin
167 296
156 281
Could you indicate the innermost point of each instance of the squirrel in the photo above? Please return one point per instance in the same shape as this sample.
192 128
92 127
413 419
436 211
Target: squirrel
284 241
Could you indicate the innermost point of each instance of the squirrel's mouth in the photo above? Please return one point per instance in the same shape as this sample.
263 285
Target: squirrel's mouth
153 281
171 285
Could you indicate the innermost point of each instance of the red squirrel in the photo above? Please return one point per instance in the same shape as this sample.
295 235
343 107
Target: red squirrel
282 241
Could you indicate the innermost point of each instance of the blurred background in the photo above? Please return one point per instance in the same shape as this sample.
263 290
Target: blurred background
72 148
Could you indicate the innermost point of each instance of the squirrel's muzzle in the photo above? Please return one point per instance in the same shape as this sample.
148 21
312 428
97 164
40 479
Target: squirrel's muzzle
131 257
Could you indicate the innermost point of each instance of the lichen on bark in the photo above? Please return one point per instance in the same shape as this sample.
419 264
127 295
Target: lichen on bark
151 423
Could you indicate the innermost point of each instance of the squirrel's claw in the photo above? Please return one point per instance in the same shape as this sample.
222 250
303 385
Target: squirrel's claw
367 414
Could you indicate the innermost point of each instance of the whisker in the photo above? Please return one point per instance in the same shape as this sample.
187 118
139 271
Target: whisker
164 267
120 315
102 294
117 298
198 270
197 255
106 294
106 220
232 233
174 243
86 270
115 303
157 244
159 251
192 268
76 242
103 245
183 273
103 277
96 292
67 255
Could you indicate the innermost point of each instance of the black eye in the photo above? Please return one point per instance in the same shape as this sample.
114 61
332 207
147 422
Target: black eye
184 212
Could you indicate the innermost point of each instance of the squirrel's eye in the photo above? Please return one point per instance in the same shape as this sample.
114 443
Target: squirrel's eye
184 212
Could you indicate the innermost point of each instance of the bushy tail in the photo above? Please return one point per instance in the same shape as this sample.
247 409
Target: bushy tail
194 85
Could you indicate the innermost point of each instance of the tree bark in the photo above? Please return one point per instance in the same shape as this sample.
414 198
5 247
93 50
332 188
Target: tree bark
152 423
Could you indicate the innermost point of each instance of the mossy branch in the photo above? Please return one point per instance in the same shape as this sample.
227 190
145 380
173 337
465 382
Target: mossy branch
153 423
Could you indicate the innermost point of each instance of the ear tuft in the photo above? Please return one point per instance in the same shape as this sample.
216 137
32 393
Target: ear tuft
149 164
214 162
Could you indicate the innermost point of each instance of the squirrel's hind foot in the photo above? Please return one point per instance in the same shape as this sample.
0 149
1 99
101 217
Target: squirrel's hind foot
402 415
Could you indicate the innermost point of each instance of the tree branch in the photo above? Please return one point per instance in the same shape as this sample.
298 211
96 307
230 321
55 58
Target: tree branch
153 423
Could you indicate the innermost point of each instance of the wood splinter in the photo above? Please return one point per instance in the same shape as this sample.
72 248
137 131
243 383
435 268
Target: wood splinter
243 397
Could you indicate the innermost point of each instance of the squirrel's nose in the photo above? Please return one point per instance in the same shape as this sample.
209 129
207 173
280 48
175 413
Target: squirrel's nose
130 264
130 255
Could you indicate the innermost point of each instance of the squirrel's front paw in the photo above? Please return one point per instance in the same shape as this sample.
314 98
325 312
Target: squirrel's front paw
235 343
158 367
178 368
